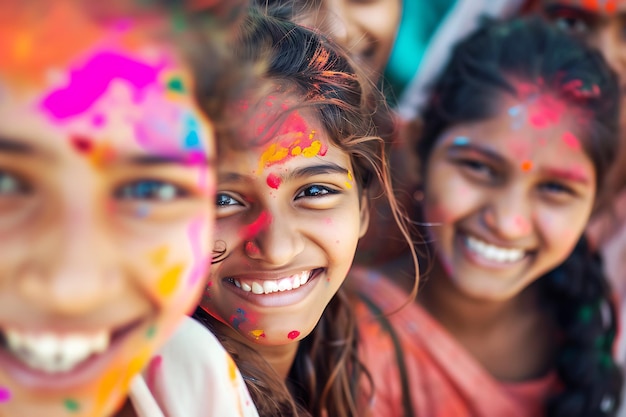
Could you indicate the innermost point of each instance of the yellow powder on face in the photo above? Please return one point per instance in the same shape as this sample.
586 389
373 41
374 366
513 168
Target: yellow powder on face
257 333
313 150
159 255
167 284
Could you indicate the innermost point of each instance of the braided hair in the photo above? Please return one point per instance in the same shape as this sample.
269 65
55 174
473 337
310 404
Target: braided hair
491 63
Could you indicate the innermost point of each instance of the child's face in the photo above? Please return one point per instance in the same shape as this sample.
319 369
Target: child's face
289 215
367 29
601 23
105 211
512 195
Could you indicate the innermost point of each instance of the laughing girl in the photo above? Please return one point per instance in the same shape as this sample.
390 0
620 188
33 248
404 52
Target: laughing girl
514 317
291 207
106 184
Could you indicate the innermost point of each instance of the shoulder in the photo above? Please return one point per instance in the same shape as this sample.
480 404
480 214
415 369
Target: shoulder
193 376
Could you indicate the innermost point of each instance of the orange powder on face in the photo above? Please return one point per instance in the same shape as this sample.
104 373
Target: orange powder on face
159 255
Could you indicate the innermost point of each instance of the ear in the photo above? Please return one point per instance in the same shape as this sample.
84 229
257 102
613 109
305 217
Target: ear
364 213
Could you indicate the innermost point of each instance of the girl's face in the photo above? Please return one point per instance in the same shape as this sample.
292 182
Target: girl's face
105 210
289 215
601 23
511 196
367 29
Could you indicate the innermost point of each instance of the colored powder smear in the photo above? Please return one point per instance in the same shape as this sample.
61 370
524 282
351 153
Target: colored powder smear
252 248
273 181
571 140
350 180
82 144
159 255
293 334
5 395
298 143
71 405
527 166
89 83
151 332
238 318
194 233
167 284
153 368
256 226
257 334
461 141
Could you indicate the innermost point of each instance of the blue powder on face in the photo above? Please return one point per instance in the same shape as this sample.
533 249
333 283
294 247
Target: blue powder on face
461 141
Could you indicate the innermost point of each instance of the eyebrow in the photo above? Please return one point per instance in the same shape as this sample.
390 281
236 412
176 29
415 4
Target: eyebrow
303 172
476 148
177 159
12 146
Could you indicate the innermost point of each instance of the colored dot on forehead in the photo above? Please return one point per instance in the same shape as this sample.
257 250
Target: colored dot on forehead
5 395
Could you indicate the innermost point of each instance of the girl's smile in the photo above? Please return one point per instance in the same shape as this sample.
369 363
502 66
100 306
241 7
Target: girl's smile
289 218
503 209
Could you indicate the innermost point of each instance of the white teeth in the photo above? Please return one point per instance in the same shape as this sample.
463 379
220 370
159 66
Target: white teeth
257 288
271 286
54 353
493 253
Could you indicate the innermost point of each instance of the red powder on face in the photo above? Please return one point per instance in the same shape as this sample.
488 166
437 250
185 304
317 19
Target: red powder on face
571 140
591 5
293 334
273 181
82 144
256 226
251 248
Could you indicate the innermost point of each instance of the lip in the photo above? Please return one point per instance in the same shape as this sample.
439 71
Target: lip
478 260
277 299
84 373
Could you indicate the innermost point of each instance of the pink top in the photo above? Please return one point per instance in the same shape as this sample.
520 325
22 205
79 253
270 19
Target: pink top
444 379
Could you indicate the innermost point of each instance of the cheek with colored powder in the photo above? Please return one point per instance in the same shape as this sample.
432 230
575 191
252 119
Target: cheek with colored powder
256 227
293 334
5 395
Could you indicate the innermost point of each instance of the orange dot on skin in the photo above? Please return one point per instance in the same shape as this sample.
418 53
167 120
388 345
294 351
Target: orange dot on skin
527 166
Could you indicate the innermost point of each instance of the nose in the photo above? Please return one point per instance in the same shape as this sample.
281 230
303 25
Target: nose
69 270
333 19
277 243
509 215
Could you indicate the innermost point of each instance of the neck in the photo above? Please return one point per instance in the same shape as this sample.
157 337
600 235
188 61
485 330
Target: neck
462 314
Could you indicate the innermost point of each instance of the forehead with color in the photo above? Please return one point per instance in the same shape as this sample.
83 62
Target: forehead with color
603 7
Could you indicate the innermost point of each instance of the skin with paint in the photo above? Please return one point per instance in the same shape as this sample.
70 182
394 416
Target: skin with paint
105 191
508 210
289 218
367 29
514 281
602 23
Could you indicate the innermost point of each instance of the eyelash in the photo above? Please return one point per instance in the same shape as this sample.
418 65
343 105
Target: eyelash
557 188
322 191
315 191
477 167
154 190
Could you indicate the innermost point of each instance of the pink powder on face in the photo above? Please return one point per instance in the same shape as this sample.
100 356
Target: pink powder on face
153 369
251 248
82 144
293 334
571 141
273 181
89 83
256 226
5 395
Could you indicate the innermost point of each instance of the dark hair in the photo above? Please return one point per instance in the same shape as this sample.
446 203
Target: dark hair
484 68
326 378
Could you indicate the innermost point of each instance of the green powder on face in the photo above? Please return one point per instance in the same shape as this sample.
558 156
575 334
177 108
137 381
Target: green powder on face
71 405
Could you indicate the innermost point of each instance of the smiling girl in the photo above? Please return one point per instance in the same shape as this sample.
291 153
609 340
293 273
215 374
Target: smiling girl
106 178
514 316
291 207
